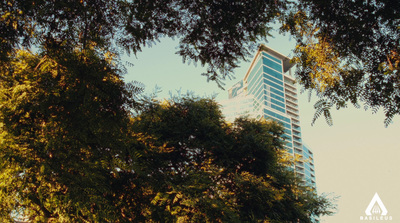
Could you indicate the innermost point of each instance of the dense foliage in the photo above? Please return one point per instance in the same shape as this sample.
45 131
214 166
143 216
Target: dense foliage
71 152
63 119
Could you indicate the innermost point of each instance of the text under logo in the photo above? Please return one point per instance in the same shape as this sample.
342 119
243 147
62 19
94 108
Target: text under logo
376 210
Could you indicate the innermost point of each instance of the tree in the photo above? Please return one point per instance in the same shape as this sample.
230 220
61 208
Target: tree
348 51
202 169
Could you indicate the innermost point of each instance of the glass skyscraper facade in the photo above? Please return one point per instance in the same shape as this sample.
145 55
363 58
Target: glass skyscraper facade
268 90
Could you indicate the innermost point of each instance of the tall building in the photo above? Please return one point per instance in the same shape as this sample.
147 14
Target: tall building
268 90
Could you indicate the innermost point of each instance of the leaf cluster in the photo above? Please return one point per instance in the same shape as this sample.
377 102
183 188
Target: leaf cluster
348 52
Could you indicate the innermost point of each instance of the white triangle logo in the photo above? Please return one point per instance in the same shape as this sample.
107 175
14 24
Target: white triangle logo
376 206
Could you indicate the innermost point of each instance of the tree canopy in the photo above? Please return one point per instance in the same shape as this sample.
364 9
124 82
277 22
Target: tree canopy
348 50
216 33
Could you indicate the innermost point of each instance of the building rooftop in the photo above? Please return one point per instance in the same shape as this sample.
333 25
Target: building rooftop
263 48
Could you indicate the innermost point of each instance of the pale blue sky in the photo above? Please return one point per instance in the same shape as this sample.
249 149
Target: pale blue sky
354 158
